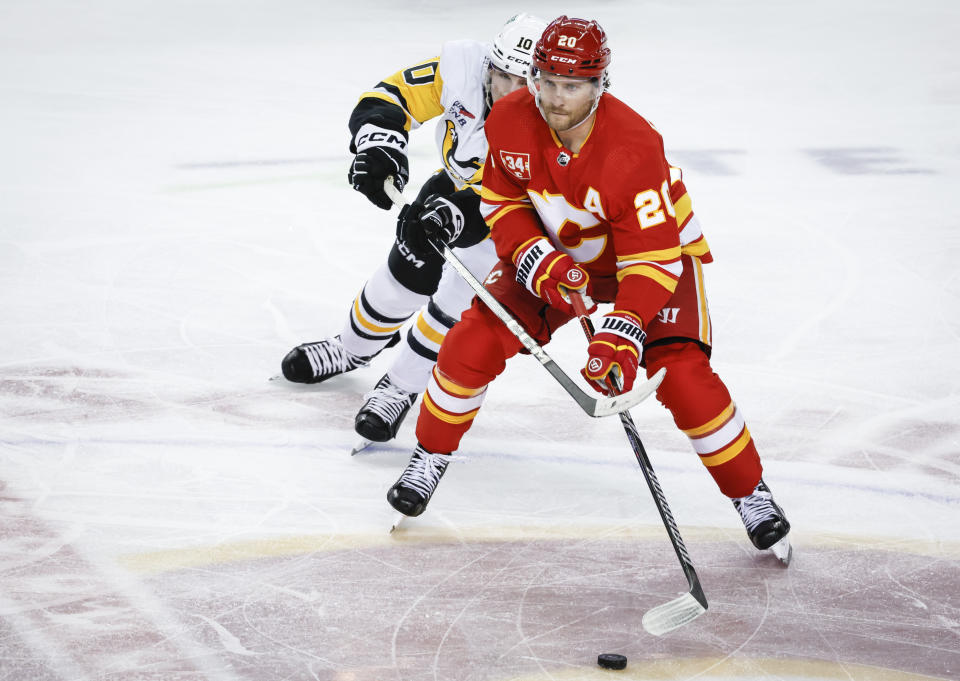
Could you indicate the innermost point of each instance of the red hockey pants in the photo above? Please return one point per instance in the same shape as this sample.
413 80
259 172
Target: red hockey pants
475 352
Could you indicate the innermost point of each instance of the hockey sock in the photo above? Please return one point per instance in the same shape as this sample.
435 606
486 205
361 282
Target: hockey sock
703 409
411 369
473 354
382 307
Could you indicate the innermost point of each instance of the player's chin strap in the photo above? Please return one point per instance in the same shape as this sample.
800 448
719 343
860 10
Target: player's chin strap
594 406
673 614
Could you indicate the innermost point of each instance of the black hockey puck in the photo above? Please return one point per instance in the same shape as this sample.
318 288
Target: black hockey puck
611 661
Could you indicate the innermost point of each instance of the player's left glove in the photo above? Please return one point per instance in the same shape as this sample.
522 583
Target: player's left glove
549 273
437 219
381 153
615 351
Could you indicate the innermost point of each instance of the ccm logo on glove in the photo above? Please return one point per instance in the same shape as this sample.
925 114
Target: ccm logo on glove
381 153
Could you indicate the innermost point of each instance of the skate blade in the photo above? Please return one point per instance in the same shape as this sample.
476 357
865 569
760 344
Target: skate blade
397 519
783 550
360 446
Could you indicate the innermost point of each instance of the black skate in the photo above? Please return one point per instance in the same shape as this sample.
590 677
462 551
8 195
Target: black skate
766 524
316 362
383 411
411 493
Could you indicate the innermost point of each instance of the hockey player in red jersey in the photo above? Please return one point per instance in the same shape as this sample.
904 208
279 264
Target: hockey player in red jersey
579 197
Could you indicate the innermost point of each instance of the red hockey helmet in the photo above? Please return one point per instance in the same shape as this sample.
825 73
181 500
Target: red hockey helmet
572 47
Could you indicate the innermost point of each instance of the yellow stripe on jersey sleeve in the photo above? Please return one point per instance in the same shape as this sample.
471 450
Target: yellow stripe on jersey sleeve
662 255
526 243
417 88
489 195
491 218
683 206
665 280
698 248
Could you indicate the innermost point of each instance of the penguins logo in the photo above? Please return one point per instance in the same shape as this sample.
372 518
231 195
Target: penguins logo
466 170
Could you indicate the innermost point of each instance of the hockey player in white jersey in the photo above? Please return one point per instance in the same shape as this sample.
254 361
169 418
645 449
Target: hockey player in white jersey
459 87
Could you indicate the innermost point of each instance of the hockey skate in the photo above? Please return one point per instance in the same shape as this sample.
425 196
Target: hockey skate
383 411
411 493
766 524
316 362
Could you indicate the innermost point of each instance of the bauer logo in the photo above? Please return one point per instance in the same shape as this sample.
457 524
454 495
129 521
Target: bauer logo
517 163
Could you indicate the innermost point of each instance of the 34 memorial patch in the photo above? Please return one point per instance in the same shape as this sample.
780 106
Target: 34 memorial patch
517 163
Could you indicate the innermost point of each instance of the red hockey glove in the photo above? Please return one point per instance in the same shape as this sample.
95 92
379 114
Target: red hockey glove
615 351
549 273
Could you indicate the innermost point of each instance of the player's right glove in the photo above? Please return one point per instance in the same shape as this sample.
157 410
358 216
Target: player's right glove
381 153
549 273
614 352
437 219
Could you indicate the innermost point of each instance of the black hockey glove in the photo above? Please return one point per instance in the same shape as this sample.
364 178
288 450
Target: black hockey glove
381 153
437 219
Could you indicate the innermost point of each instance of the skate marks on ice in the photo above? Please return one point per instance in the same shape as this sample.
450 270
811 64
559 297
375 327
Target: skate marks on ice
429 603
67 614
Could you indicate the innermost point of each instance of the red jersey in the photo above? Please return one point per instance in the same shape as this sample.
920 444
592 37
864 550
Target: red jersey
614 207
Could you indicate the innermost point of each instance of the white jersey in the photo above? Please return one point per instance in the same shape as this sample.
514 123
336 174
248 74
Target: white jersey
449 87
459 134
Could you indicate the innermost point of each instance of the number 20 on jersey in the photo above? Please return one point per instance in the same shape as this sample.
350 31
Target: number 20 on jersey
650 207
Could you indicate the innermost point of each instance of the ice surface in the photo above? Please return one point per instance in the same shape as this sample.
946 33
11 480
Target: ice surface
174 217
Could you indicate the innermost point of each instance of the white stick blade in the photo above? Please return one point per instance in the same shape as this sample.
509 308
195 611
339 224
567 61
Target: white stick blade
672 615
614 405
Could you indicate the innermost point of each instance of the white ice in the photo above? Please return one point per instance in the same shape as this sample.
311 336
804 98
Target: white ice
175 216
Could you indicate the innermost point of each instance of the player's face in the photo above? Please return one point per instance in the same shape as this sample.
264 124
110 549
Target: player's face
565 101
503 83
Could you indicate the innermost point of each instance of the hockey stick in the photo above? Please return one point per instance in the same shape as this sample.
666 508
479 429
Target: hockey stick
596 407
680 611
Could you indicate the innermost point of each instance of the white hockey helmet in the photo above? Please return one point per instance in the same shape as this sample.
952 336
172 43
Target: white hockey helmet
513 47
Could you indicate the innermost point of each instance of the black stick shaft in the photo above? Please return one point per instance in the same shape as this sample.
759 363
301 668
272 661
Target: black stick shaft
659 498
